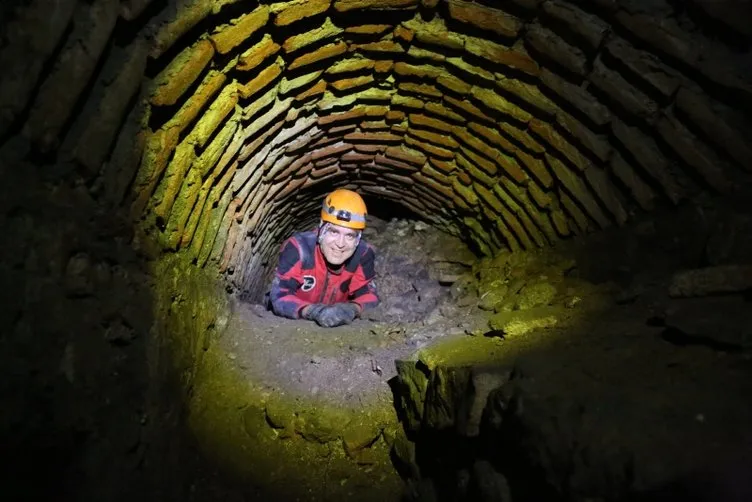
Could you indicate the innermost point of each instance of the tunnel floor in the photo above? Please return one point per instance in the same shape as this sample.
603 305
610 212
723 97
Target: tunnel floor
621 368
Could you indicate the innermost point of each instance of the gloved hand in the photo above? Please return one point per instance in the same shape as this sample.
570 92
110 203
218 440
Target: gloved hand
337 314
312 311
330 316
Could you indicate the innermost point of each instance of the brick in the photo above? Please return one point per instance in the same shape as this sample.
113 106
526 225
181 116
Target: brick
474 72
261 81
321 54
693 152
577 96
229 36
404 34
157 151
494 101
180 74
487 170
440 38
556 49
387 161
555 140
446 167
621 92
20 67
650 158
419 71
214 116
190 16
536 226
645 66
74 67
347 5
315 90
597 144
529 94
485 18
257 54
423 89
453 84
421 120
325 31
380 47
542 199
170 185
406 155
718 123
369 29
464 164
420 53
560 223
352 65
97 138
589 29
606 191
463 177
513 57
352 83
330 151
468 107
577 187
536 167
493 136
638 189
428 149
523 137
289 86
579 223
295 11
381 137
363 148
407 101
395 116
383 66
442 140
442 111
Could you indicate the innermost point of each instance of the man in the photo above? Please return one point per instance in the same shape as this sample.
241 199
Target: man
326 275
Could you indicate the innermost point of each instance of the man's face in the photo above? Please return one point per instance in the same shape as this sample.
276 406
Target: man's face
337 243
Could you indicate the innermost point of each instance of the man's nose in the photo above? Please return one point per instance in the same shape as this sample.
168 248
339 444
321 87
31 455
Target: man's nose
340 241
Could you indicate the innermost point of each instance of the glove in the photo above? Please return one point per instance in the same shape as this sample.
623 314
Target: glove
312 311
335 315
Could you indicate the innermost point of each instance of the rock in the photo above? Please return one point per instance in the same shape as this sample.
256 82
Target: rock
536 295
446 397
487 484
519 323
495 295
119 334
359 436
403 452
410 392
711 280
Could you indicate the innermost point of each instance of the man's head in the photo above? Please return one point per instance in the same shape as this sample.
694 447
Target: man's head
343 217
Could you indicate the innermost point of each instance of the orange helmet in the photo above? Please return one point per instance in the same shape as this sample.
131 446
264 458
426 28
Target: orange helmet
344 208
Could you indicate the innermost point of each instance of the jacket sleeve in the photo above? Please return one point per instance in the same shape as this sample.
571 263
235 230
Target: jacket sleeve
286 282
362 286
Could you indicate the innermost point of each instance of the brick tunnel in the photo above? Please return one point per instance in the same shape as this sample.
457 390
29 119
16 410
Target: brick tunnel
156 154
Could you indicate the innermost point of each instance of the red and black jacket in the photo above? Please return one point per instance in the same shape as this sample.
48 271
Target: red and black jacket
303 277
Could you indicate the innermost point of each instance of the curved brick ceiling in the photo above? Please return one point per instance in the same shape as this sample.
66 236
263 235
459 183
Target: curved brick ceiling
514 123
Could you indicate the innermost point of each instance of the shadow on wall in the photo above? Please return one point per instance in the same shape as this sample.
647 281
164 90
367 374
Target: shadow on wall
88 412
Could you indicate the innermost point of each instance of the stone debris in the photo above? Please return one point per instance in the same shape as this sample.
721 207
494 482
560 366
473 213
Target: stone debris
711 280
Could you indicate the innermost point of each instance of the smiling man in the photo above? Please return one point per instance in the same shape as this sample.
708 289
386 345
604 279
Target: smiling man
326 275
